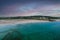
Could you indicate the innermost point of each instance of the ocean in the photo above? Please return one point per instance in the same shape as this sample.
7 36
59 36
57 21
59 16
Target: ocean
31 31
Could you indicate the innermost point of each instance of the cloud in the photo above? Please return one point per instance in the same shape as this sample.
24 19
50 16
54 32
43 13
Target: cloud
28 8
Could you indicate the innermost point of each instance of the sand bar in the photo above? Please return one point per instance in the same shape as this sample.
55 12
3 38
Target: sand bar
19 21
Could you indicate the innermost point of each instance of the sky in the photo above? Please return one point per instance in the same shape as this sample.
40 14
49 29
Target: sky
10 8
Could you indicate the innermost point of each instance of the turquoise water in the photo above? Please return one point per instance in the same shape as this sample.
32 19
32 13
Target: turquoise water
32 31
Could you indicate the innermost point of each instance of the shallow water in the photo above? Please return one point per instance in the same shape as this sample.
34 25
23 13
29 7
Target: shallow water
31 31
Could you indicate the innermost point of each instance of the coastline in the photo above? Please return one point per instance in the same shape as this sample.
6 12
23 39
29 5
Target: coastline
20 21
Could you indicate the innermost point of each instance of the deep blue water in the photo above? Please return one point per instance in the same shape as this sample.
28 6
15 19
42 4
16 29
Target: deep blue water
33 31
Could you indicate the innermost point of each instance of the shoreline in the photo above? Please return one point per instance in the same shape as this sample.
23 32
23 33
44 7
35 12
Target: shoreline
20 21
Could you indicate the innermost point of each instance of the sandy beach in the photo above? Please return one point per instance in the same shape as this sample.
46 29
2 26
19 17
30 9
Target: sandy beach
19 21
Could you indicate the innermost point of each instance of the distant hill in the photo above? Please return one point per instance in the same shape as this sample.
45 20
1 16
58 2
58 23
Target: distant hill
30 17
